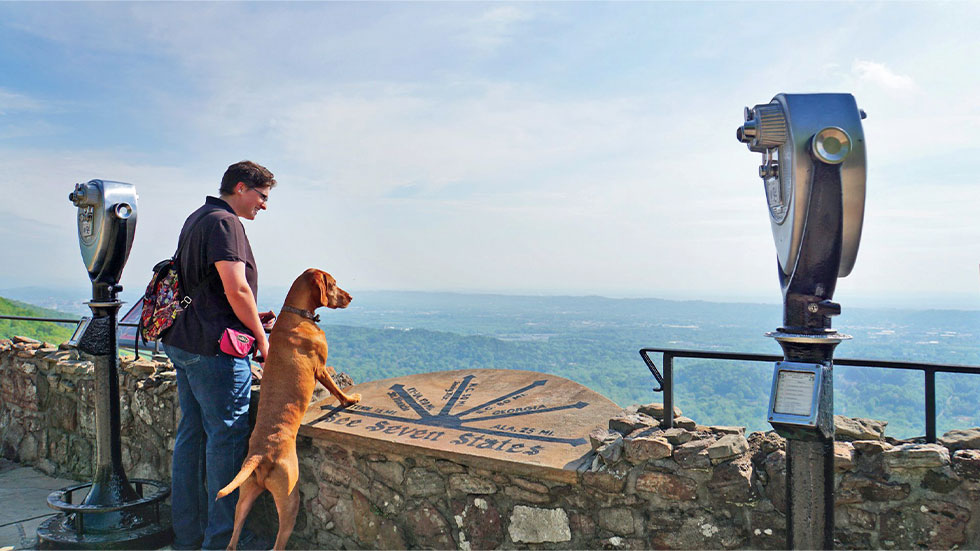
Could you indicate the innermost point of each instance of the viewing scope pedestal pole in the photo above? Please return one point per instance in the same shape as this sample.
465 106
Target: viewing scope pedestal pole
813 172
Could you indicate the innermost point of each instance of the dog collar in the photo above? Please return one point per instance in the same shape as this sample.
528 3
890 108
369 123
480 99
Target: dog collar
305 313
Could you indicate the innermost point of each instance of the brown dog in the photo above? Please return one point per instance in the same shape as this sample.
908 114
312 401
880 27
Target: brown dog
297 359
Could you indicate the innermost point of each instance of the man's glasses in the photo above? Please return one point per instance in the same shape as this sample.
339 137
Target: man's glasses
263 196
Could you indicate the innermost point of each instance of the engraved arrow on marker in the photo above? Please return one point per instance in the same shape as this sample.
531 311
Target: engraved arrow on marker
455 397
579 405
504 397
400 390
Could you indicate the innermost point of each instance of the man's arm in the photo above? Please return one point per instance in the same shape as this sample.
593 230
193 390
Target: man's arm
242 300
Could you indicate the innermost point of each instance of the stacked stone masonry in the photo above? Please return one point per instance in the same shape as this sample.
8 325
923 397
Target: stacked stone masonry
691 487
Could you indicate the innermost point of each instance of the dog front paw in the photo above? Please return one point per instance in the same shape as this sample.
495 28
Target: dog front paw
351 400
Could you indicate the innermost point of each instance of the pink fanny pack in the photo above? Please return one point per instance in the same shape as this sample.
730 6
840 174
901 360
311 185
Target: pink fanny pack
235 343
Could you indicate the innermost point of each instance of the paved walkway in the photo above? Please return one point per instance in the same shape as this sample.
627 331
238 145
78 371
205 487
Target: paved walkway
23 504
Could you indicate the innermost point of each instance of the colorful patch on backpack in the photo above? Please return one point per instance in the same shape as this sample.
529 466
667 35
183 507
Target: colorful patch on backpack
161 303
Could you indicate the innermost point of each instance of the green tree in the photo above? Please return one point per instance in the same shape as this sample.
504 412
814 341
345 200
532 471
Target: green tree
56 333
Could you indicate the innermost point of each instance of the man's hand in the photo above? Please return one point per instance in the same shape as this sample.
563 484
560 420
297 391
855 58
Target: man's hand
261 349
268 319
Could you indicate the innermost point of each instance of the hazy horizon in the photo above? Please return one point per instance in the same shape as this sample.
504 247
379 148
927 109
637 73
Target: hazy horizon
277 293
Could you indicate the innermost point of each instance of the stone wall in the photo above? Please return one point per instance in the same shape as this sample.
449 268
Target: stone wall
47 417
695 487
688 487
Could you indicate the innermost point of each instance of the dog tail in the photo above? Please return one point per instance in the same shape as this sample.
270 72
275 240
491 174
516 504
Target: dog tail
248 467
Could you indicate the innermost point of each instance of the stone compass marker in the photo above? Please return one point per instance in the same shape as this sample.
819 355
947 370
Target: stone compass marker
528 419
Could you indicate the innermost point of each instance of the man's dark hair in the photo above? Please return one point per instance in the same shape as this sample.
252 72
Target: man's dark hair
249 173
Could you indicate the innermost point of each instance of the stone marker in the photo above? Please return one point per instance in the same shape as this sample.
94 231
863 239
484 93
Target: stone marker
484 417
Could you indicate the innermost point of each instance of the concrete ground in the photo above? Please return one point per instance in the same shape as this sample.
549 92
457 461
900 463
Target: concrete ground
23 504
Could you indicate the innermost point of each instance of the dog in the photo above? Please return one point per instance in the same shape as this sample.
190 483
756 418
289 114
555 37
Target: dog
297 359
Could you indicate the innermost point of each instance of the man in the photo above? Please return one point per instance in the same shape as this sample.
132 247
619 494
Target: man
217 270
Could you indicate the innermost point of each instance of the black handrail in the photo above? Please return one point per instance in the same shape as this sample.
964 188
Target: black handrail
666 380
57 320
156 344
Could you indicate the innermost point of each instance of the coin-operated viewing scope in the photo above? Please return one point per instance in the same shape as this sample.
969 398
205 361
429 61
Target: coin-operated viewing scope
113 514
106 226
813 168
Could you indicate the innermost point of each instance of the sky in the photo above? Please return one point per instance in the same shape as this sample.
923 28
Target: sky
522 148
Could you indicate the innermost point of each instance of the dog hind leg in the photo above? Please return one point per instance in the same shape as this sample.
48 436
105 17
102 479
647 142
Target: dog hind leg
247 494
287 500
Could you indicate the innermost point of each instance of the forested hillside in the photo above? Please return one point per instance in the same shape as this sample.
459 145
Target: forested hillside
51 332
595 341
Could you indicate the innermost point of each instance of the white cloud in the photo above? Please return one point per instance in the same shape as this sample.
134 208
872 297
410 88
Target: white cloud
496 137
880 75
13 102
495 26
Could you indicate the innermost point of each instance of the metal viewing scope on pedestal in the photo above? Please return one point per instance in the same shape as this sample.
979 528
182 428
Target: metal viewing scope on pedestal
813 170
116 512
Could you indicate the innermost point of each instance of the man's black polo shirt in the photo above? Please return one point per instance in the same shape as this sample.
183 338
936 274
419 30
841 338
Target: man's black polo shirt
210 234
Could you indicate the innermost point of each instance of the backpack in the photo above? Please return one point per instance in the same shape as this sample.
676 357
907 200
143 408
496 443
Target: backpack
162 302
164 299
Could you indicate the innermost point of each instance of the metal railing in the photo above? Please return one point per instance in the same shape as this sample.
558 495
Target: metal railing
666 380
123 342
49 320
144 345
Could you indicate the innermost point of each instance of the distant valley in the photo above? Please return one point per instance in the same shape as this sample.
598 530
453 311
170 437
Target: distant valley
595 341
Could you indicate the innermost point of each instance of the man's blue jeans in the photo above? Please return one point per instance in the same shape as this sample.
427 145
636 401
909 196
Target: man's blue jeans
212 438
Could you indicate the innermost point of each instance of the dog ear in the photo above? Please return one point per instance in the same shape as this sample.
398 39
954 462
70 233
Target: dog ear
323 281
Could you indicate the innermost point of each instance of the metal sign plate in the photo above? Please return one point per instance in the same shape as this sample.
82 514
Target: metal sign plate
795 394
79 330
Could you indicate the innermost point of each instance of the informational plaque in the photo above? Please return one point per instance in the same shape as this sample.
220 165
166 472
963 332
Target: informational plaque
523 418
794 392
79 330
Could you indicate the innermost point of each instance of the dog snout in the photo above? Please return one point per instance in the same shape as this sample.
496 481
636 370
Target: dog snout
337 297
344 298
